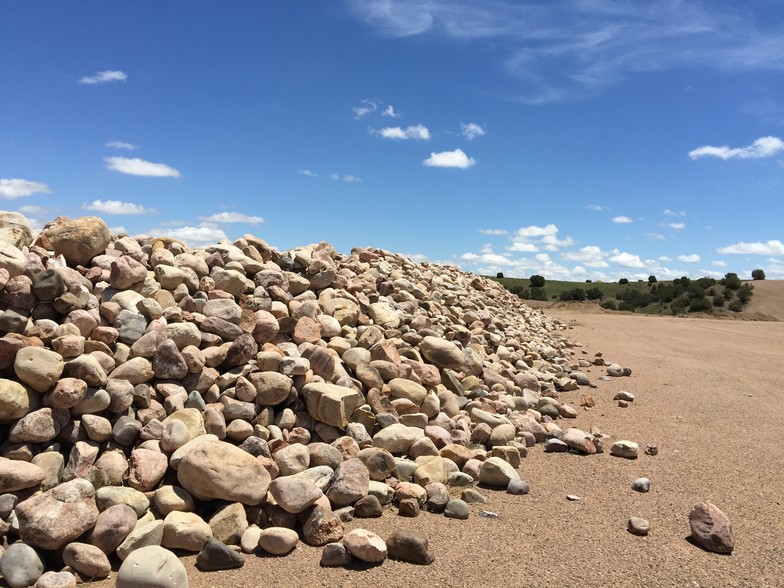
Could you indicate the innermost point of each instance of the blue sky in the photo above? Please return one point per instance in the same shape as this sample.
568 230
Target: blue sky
577 139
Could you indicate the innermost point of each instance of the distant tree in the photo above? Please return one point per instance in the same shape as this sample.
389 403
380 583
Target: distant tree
731 281
500 275
758 274
623 281
537 281
587 281
651 280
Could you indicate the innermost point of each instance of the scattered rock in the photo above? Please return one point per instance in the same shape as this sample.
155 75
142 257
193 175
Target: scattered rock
409 545
365 545
626 449
638 526
710 528
641 485
216 555
456 509
152 567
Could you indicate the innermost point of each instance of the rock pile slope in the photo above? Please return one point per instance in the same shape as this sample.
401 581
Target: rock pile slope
154 394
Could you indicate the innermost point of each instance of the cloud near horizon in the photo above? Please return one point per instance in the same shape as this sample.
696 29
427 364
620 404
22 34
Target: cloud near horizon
203 235
117 207
233 217
140 167
105 77
456 158
11 188
762 147
773 247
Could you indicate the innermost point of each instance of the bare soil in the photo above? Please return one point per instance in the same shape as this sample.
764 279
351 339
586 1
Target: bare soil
708 394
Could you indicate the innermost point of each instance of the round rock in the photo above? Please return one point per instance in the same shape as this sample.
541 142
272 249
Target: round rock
152 567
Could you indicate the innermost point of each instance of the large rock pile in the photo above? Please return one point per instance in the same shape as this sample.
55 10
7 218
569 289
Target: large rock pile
157 395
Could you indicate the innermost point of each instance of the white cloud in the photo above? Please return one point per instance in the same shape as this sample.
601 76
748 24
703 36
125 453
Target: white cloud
762 147
718 263
18 187
233 217
471 130
534 231
693 258
139 167
105 77
622 219
494 231
597 207
625 259
31 209
523 247
677 226
553 243
456 158
774 247
365 107
117 207
664 258
351 179
590 255
491 258
419 132
308 173
669 212
577 49
656 236
193 236
389 111
121 145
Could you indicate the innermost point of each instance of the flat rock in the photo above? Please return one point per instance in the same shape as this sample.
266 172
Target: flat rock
625 449
365 545
19 475
216 555
294 494
410 546
711 528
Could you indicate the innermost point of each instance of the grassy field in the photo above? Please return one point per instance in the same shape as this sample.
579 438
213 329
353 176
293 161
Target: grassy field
554 288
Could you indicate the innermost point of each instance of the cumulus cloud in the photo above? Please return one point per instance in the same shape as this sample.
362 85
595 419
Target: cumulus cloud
419 132
139 167
365 107
693 258
202 235
471 130
762 147
489 258
494 231
105 77
389 111
233 217
456 158
32 210
121 145
622 219
533 238
17 187
535 231
625 259
590 255
677 226
523 247
774 247
117 207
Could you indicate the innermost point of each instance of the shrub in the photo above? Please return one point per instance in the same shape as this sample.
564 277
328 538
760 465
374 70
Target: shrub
537 281
651 280
588 281
744 293
623 281
594 294
736 306
700 305
718 301
731 281
626 305
758 274
575 294
609 305
500 275
728 294
678 306
538 293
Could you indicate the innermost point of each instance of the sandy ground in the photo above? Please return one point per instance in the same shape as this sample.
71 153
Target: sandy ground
708 393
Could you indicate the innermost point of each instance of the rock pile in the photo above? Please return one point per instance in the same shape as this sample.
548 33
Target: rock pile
153 395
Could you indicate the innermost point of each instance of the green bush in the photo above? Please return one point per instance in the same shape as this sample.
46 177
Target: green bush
575 294
609 305
537 281
594 294
538 293
623 281
731 281
651 280
736 306
626 305
500 275
744 293
718 300
700 305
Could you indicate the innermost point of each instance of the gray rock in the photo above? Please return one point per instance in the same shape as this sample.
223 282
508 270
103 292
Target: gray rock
638 526
335 555
216 555
456 509
20 565
518 487
278 540
152 567
641 485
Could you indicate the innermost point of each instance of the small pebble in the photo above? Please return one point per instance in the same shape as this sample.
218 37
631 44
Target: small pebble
638 526
518 487
572 497
641 485
488 514
651 450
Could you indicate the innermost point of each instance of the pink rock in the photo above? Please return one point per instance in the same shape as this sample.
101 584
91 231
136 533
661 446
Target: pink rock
711 528
146 469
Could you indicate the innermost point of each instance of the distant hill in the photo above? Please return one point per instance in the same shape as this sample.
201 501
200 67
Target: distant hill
767 304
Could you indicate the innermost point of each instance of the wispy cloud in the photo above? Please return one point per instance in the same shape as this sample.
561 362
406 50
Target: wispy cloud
693 258
762 147
597 207
774 247
121 145
420 132
656 236
456 158
117 207
669 212
139 167
233 217
622 219
677 226
576 49
32 210
471 130
494 231
366 107
718 263
17 187
105 77
350 178
308 173
389 111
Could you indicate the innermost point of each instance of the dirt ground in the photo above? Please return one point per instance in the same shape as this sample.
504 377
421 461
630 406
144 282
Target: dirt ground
708 394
